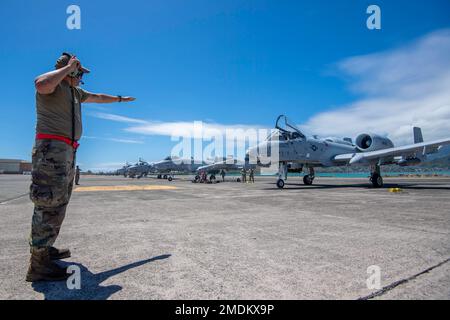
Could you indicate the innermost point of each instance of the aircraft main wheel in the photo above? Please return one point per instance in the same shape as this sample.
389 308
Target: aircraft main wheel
377 180
280 183
212 177
165 176
307 180
159 176
169 178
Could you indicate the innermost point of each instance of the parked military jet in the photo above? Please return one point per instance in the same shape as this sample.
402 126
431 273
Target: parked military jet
139 170
165 168
227 164
295 152
124 170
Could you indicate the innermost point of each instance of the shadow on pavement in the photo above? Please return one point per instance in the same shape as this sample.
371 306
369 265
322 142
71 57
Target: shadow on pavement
410 186
90 283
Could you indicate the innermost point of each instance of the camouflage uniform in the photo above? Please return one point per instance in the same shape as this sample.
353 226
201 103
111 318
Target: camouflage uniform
251 176
244 175
52 182
77 176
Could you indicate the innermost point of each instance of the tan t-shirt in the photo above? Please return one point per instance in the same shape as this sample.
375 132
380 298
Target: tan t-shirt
54 111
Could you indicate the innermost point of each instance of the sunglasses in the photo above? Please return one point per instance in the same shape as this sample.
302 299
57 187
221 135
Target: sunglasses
79 74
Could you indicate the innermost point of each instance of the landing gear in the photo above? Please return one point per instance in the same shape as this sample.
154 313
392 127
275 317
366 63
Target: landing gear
159 176
375 177
280 183
212 178
309 178
282 175
377 180
165 176
170 178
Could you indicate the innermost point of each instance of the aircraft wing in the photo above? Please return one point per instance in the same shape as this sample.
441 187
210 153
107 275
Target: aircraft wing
423 148
214 166
221 166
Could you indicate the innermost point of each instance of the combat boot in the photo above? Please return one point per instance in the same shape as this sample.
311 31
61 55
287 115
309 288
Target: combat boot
42 268
58 254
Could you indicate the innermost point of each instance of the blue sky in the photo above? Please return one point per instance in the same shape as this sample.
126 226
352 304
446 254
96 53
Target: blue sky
227 63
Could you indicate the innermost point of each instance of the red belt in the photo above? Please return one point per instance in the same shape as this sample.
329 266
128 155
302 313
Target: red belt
68 141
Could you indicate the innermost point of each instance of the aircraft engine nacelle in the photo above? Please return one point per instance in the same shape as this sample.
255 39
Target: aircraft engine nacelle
372 142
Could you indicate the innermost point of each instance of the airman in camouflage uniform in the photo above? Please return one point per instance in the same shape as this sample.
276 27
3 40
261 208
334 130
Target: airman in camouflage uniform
244 175
251 175
58 107
77 175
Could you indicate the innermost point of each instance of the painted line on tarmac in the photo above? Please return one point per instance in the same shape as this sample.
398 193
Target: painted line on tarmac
15 198
395 284
123 188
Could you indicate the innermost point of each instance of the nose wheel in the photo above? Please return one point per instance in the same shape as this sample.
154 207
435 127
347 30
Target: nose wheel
308 180
282 174
280 183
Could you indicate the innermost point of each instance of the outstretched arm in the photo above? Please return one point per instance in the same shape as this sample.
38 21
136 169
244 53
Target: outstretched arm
106 98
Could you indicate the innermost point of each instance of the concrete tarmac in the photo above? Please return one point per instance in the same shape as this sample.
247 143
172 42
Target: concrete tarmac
139 239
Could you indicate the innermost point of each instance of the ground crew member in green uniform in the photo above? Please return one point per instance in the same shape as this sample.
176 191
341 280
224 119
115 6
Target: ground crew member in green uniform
58 128
244 175
77 175
251 175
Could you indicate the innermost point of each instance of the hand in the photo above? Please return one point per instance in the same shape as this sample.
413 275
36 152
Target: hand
128 99
74 64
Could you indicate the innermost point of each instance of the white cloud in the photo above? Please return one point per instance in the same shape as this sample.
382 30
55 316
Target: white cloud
195 130
401 88
115 140
117 118
185 129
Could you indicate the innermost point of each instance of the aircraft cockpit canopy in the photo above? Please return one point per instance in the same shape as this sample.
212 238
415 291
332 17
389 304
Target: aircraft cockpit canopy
288 131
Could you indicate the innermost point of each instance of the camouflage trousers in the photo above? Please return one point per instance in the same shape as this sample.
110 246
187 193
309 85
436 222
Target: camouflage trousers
52 182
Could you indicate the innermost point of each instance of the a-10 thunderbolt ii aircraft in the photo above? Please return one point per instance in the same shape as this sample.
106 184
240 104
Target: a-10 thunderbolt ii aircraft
164 169
138 170
124 170
226 164
297 151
